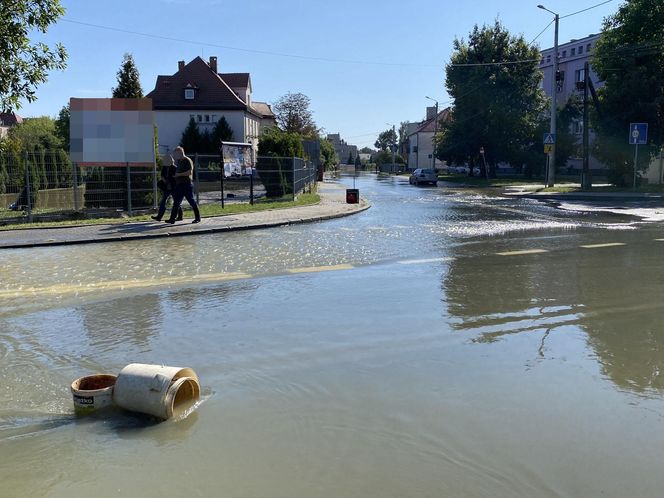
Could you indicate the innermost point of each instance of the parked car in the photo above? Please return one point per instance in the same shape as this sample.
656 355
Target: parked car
421 175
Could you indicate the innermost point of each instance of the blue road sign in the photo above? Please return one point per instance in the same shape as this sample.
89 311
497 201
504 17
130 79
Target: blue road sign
638 133
549 138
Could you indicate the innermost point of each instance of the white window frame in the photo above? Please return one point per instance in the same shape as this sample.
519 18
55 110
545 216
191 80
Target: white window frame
189 94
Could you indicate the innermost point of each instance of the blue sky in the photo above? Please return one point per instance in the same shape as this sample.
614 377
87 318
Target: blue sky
387 55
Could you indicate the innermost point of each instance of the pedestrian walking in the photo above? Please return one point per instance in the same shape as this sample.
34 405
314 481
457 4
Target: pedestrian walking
167 186
184 188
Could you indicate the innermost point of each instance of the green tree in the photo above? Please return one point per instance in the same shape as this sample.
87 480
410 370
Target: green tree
191 139
366 150
386 139
502 110
350 158
328 156
294 116
278 143
129 84
222 131
629 58
358 163
25 65
62 126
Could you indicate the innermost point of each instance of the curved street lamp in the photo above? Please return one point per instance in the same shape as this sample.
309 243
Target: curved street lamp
551 170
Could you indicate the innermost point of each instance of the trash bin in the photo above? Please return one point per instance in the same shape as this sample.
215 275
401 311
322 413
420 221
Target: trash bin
352 196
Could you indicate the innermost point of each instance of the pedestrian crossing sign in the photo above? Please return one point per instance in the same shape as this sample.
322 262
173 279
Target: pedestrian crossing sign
548 148
549 138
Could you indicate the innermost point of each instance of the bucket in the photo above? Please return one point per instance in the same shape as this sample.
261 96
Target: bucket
93 392
156 390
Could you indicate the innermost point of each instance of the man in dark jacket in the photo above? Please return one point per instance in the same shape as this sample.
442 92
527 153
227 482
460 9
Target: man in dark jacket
184 188
167 186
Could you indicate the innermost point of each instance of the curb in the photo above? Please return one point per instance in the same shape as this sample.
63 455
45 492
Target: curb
365 204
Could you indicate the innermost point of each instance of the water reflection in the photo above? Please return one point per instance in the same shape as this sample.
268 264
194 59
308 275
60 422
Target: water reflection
612 297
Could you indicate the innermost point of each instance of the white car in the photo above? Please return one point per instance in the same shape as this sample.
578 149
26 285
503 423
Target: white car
423 176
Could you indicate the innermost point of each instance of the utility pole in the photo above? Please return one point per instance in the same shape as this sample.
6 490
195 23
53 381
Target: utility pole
586 181
394 145
435 132
551 172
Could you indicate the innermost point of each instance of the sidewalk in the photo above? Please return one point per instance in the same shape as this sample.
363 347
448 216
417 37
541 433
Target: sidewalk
332 205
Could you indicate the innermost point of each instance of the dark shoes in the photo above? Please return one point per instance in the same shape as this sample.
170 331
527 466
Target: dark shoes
197 220
155 218
172 222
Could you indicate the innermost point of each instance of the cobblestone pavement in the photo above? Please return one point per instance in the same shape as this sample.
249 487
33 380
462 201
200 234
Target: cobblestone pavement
332 205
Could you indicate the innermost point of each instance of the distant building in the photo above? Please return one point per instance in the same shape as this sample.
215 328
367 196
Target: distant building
571 59
197 90
420 139
7 120
342 149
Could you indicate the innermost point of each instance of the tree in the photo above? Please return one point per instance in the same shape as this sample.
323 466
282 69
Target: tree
386 139
129 84
358 162
221 132
191 139
350 158
328 156
278 143
25 65
62 126
503 108
629 58
294 116
366 150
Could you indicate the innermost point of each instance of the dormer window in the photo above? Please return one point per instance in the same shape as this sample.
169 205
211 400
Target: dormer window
189 93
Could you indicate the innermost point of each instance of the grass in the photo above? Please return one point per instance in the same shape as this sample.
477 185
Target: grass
207 210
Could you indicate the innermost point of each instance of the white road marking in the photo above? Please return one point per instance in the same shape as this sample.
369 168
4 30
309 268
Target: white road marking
522 253
424 261
314 269
598 246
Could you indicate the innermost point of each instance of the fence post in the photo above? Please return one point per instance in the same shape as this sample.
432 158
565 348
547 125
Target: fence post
28 199
74 179
128 190
251 187
196 179
293 170
154 183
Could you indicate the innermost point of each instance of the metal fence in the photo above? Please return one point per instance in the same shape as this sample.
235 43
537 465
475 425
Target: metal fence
46 185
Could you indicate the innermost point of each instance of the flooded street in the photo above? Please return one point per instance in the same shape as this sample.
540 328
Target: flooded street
441 343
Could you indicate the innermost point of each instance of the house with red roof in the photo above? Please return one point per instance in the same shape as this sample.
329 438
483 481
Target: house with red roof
7 120
197 90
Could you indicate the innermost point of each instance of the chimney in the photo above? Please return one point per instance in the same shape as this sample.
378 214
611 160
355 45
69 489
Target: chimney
213 64
431 112
180 65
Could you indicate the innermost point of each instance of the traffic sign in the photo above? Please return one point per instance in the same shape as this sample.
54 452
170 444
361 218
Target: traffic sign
638 133
548 148
549 138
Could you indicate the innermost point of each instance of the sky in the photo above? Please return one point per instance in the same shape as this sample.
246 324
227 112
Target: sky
365 64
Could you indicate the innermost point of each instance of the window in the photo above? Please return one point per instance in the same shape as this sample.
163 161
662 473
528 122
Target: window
207 118
548 58
573 52
214 118
189 93
579 75
580 49
199 118
192 116
588 47
564 53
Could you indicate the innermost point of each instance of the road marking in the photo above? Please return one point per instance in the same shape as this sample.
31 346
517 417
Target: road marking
314 269
598 246
659 240
423 261
114 285
522 253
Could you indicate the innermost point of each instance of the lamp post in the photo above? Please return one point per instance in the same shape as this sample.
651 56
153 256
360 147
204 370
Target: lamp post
433 138
551 172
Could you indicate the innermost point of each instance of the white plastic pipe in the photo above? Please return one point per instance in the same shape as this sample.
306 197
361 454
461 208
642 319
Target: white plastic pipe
156 390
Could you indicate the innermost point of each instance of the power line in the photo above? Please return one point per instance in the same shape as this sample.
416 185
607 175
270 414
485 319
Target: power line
505 63
586 9
247 50
542 32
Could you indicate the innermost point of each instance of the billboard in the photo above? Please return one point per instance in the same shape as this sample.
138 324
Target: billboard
111 132
237 158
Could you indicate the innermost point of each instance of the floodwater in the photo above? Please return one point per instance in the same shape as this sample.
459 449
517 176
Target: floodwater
439 344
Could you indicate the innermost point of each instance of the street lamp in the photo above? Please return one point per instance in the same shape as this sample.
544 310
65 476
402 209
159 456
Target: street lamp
551 171
433 138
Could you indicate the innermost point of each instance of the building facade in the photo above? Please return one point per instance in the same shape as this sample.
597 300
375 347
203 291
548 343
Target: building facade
7 120
343 150
197 90
572 57
421 140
